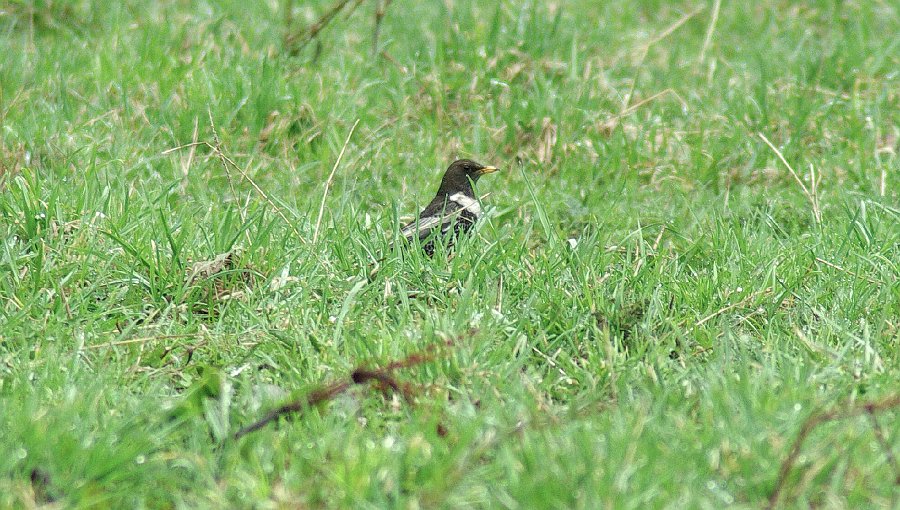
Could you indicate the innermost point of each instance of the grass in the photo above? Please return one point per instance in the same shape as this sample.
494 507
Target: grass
650 312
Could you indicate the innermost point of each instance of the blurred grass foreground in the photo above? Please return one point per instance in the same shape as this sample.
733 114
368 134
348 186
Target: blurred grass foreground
683 292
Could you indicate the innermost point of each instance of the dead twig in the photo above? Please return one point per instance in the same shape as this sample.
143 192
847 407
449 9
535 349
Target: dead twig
390 58
296 42
815 420
359 376
315 398
380 10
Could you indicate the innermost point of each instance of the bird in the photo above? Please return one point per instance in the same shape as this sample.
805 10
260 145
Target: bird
453 211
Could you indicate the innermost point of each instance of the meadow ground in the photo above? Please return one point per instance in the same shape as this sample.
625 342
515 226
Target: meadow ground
692 248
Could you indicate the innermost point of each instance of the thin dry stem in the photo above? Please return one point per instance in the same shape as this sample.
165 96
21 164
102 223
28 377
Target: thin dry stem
670 30
712 28
143 340
628 110
732 306
812 196
328 182
851 273
226 162
646 48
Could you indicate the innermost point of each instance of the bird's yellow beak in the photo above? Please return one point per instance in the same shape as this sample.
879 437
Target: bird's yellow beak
487 170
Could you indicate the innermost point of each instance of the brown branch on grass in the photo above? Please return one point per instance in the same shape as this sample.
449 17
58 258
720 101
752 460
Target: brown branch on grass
811 423
381 7
315 398
390 58
359 376
296 42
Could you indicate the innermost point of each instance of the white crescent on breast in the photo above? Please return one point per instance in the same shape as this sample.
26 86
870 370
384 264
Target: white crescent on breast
467 203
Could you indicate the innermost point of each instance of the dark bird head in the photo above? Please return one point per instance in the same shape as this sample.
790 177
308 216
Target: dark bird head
461 175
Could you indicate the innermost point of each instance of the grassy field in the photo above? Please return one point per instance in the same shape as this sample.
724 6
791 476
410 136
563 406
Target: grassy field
693 247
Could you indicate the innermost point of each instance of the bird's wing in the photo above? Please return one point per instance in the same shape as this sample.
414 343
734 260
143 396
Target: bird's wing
423 226
438 214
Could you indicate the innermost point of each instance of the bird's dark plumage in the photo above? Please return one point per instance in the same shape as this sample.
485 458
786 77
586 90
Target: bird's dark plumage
453 211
